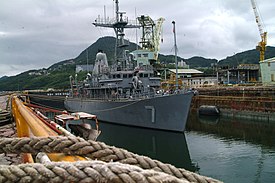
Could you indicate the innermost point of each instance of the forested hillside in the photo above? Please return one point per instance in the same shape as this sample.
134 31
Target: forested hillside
247 57
57 75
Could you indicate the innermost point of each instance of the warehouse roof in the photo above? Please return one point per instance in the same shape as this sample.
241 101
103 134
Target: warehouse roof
186 71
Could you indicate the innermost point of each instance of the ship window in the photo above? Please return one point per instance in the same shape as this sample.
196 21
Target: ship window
145 55
130 75
146 75
114 76
139 55
141 75
118 75
124 75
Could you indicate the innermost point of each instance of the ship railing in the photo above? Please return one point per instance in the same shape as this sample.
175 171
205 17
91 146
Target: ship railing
111 21
130 67
146 67
135 95
142 95
105 21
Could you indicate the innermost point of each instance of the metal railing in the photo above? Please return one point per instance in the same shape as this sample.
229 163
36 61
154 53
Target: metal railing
28 125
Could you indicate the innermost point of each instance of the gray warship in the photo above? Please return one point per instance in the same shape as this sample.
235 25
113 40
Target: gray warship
128 90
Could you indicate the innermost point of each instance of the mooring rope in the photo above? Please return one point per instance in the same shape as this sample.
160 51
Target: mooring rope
94 150
82 171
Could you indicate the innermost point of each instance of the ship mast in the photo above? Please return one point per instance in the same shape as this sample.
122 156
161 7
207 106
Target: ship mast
118 24
176 56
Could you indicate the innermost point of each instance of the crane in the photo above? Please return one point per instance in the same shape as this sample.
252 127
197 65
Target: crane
151 33
262 44
147 39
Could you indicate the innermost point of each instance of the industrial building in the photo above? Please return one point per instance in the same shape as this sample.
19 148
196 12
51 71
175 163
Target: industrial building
194 78
241 74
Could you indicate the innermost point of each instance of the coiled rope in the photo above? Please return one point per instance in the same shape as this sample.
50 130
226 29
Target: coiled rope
81 171
94 150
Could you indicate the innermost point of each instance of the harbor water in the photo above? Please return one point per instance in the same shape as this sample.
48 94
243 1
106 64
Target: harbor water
230 150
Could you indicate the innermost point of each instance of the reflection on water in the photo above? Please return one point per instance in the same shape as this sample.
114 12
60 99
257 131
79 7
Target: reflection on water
227 149
210 120
257 132
168 147
232 150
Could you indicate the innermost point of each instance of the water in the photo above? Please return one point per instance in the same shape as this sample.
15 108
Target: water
168 147
231 161
226 149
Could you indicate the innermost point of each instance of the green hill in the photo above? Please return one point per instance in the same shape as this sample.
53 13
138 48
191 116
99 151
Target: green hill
57 75
105 44
247 57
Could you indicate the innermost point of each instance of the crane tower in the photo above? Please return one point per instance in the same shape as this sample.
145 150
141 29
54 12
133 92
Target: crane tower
151 34
262 44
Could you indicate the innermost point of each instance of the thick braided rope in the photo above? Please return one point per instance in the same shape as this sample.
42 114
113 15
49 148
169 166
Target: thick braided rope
82 171
94 150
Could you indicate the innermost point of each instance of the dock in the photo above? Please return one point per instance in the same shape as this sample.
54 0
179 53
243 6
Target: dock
7 130
239 102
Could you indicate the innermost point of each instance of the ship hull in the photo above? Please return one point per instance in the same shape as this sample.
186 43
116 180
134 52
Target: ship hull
165 112
55 102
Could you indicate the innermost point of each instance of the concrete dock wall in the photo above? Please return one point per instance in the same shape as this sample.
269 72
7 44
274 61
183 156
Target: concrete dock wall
257 108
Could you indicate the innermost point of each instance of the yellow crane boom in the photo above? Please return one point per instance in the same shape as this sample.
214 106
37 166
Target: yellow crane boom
262 44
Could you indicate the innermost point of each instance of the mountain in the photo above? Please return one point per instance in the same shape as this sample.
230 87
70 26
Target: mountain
247 57
57 75
105 44
3 78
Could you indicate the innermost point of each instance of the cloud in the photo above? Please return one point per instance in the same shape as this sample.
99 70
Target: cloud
35 34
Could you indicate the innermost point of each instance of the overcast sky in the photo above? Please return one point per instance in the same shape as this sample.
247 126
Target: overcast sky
35 34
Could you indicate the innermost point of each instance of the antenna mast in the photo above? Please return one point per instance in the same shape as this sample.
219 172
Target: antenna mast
118 24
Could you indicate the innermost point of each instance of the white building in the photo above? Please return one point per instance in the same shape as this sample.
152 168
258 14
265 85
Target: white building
268 71
79 68
183 64
194 78
186 73
197 82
